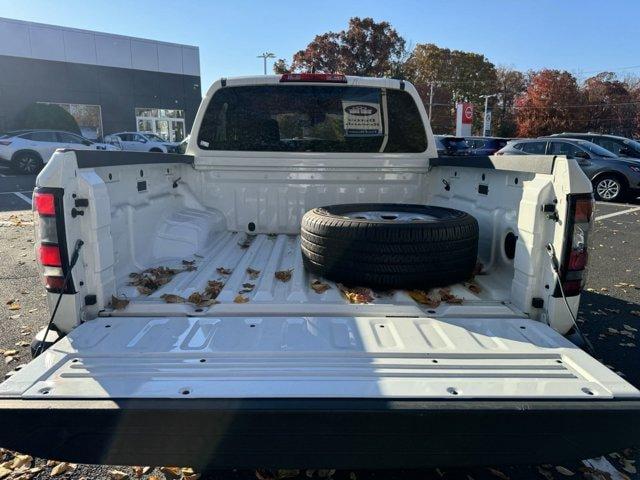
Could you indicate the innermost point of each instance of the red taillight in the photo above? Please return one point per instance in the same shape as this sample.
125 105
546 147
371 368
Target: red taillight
577 260
583 210
54 283
314 77
44 203
49 256
576 256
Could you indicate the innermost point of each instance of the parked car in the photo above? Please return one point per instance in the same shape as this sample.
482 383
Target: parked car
448 146
620 146
27 151
613 178
182 146
485 145
145 142
223 310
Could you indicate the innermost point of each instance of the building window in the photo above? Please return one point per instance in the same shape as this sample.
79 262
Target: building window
88 118
167 123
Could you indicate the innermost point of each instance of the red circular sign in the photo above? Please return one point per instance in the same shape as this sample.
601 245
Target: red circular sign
468 112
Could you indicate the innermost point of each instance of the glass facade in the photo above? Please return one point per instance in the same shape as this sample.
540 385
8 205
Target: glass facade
88 117
167 123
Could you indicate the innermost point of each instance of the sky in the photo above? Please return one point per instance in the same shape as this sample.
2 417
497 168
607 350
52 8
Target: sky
581 36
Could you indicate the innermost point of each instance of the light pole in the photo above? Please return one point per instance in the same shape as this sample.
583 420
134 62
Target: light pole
486 125
264 57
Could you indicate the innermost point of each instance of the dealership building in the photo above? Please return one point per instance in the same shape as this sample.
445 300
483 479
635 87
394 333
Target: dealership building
109 83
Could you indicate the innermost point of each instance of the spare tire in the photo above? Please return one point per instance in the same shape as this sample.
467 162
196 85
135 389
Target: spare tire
390 245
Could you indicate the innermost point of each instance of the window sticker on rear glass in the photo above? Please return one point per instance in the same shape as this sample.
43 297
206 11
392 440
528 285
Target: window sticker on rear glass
361 119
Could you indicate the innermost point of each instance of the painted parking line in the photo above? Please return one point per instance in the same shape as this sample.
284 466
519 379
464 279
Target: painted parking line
615 214
23 197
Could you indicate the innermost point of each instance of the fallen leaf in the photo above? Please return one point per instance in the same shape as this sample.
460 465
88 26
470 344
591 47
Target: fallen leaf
247 287
448 297
144 290
10 353
224 271
319 286
189 263
8 360
253 273
118 475
172 472
138 471
473 287
284 275
60 468
213 288
14 305
5 472
423 298
146 470
564 471
171 298
21 460
22 343
246 243
356 294
118 303
240 299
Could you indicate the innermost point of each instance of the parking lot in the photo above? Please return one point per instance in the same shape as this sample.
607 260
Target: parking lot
609 315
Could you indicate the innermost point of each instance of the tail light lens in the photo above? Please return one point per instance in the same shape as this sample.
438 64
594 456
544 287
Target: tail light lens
51 250
314 77
575 257
5 143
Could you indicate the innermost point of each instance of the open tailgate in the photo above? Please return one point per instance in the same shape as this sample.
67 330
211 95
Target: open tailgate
341 392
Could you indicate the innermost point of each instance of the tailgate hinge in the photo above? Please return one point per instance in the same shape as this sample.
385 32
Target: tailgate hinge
550 210
79 203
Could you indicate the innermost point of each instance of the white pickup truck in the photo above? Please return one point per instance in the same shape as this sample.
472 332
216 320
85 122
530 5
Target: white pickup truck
416 319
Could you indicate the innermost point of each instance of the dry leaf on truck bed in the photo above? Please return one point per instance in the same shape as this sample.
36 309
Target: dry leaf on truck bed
472 287
246 243
224 271
193 476
423 298
4 472
213 288
247 287
356 294
189 263
118 303
253 273
448 297
284 275
240 299
149 280
319 286
171 298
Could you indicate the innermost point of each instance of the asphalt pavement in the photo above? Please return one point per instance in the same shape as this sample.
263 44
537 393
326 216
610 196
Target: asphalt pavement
610 307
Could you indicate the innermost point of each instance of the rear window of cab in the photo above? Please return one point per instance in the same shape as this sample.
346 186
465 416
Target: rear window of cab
312 118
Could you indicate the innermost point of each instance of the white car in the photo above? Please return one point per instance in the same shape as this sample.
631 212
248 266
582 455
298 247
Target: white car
28 150
144 142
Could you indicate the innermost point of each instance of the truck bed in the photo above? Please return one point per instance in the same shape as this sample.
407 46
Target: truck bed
268 254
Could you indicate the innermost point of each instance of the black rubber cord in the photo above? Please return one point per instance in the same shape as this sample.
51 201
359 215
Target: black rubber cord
74 259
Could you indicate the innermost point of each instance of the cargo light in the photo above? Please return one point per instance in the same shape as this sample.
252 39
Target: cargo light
314 77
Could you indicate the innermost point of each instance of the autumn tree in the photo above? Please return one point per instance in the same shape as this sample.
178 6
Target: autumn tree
611 106
510 85
552 103
365 48
455 75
